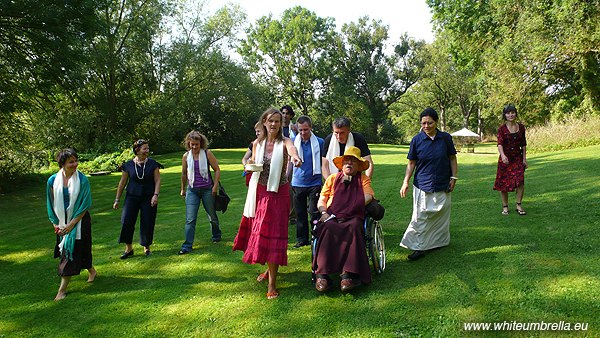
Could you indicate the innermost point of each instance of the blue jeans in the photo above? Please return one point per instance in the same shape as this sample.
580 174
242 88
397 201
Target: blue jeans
192 204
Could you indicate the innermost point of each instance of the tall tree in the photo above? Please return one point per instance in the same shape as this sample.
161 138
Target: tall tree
373 79
289 54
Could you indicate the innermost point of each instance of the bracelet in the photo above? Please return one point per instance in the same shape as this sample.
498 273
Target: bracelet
155 194
454 178
323 212
117 200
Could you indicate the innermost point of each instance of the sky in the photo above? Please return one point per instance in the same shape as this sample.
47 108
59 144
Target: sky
402 16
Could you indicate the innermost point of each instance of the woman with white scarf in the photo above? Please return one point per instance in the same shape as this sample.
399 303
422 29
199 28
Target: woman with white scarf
68 199
263 233
197 185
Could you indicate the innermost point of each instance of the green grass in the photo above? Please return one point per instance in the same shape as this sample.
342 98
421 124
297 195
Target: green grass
541 267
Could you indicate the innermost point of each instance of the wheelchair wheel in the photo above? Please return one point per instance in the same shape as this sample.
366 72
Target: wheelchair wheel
376 245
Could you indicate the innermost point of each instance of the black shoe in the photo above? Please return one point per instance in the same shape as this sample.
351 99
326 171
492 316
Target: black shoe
126 254
148 252
182 252
416 255
300 244
216 240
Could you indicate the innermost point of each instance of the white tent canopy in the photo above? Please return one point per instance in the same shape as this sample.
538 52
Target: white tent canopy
464 132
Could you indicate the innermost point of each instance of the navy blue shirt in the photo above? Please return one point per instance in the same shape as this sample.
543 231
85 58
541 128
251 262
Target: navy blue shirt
303 175
433 161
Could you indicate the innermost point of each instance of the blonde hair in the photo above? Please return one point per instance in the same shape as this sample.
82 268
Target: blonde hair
195 136
263 119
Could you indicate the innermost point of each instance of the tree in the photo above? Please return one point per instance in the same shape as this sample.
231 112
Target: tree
288 54
368 77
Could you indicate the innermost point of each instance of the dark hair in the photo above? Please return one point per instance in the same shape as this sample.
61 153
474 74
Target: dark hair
304 119
263 119
507 109
429 112
195 136
65 155
341 122
289 109
138 144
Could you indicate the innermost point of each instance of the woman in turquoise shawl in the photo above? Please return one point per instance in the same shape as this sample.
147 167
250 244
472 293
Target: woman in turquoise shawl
68 199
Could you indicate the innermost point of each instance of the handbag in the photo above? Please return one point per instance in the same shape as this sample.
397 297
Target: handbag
221 199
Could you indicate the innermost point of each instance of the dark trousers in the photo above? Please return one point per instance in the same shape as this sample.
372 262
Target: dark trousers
305 201
133 205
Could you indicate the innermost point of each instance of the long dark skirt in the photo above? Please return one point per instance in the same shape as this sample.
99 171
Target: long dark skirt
82 253
341 247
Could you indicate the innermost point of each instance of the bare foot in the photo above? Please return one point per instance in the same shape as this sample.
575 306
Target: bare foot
60 296
91 275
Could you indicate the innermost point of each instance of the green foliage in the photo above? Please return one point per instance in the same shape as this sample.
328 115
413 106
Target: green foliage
289 54
497 268
105 162
568 134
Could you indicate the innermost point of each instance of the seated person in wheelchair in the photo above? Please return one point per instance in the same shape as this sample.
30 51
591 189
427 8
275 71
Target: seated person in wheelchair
340 244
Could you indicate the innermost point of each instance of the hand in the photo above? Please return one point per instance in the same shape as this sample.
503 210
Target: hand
403 190
56 229
64 231
154 201
451 185
182 193
116 205
324 217
297 162
525 165
214 191
504 159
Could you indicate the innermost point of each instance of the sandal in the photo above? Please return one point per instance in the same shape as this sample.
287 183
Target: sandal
262 276
521 211
505 210
272 295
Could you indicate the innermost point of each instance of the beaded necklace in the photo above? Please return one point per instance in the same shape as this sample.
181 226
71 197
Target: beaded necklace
143 170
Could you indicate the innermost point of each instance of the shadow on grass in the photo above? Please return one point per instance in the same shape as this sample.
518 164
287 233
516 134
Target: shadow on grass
539 267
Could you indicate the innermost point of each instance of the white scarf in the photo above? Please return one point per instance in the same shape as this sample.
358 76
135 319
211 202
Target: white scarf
202 163
59 202
334 151
315 150
274 175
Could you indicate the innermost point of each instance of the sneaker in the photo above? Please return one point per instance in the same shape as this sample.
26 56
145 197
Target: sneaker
182 252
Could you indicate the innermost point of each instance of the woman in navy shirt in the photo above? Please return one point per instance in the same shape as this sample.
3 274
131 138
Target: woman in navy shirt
142 178
432 157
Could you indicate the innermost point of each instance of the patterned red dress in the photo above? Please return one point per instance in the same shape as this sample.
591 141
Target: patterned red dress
510 176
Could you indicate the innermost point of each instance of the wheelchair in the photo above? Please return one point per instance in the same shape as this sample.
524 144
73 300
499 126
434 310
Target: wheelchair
374 243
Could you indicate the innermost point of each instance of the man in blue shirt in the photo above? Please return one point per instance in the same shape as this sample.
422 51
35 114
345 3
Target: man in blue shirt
306 179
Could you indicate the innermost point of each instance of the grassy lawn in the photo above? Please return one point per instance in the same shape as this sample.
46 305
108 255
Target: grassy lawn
541 267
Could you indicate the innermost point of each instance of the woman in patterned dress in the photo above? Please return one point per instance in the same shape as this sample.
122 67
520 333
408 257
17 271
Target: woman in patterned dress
512 161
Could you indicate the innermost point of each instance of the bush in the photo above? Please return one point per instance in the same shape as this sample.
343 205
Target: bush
105 162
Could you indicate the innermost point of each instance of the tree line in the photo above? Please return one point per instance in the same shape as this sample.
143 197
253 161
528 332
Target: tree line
96 75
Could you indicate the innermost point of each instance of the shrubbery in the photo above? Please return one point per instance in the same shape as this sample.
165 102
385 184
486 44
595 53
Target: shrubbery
105 162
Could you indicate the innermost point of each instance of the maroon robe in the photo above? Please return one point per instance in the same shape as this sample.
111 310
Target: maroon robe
341 241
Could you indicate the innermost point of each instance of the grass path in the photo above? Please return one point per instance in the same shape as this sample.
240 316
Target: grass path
541 267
